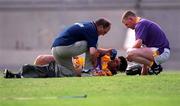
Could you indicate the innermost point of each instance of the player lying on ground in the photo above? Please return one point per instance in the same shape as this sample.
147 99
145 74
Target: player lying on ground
45 66
78 62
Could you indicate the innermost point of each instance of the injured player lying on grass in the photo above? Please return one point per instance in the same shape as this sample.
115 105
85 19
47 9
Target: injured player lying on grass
108 64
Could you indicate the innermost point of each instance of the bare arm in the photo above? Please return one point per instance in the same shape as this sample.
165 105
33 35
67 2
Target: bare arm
93 56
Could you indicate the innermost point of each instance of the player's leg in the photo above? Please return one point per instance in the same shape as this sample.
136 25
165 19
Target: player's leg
149 57
144 70
43 59
63 55
9 74
34 71
159 59
65 64
144 56
140 55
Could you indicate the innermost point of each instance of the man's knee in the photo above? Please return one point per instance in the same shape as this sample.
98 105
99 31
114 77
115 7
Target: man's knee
131 54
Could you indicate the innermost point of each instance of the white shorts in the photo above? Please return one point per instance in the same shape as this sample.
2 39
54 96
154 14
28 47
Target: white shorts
159 59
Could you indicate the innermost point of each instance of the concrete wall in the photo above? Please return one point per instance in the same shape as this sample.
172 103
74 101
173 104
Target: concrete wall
34 31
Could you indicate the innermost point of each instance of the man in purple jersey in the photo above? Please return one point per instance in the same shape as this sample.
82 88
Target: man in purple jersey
77 39
151 47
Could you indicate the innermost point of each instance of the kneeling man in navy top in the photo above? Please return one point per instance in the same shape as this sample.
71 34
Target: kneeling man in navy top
77 39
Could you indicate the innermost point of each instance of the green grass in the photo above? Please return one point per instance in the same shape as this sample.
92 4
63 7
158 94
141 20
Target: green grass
120 90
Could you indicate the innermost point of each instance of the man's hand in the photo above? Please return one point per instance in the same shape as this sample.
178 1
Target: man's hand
137 44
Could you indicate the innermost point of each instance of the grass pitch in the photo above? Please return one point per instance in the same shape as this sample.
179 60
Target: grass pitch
120 90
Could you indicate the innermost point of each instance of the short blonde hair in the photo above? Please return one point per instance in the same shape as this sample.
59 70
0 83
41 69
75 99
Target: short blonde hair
127 14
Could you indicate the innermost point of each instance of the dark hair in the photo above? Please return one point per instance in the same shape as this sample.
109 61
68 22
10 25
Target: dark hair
127 14
123 64
114 72
102 22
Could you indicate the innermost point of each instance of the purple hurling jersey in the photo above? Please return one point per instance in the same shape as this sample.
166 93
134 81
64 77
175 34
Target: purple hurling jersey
151 35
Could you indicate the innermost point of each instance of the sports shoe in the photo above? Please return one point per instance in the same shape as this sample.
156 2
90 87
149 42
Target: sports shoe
156 70
8 74
86 71
134 70
150 72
